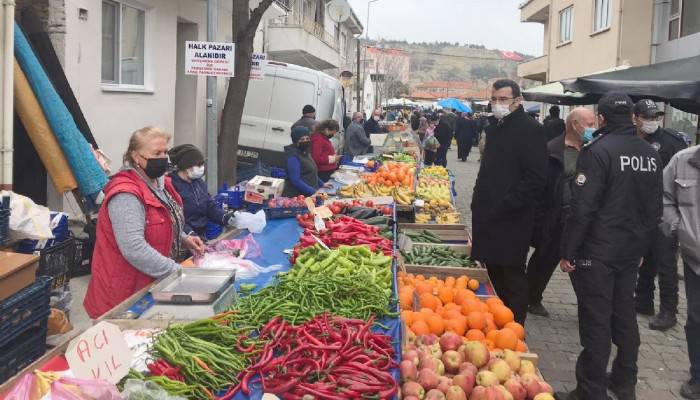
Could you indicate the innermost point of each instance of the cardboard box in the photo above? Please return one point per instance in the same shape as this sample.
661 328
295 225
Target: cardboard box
17 271
262 188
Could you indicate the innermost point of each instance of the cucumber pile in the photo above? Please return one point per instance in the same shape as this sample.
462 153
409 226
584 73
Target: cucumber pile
440 256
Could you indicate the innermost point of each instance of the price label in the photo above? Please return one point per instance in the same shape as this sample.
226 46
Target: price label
101 352
323 212
319 224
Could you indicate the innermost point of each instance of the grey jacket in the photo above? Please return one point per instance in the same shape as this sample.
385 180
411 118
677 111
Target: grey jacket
682 204
307 122
356 141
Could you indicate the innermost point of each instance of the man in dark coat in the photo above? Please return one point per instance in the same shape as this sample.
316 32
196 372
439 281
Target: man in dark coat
443 133
308 118
561 168
465 131
511 177
415 120
372 124
553 125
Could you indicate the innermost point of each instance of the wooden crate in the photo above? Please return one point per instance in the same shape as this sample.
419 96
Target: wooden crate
453 236
430 226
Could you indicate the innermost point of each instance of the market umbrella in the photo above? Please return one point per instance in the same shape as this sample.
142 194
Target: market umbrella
454 104
676 82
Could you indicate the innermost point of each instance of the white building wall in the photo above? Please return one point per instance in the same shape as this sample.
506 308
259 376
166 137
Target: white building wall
114 115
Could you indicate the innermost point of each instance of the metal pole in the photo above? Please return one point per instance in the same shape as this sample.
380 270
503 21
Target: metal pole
212 106
6 142
359 72
367 24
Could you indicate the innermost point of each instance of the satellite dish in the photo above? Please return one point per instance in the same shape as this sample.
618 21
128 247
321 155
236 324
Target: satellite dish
339 10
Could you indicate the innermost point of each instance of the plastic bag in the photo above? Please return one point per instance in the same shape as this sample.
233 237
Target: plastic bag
139 390
83 389
28 220
24 389
255 223
245 269
246 247
58 323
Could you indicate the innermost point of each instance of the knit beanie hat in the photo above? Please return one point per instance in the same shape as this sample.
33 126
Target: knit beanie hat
299 132
185 156
308 109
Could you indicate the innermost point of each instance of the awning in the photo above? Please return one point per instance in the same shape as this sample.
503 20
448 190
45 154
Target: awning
675 82
553 93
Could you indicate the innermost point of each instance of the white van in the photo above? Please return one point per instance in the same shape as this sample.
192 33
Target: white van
275 103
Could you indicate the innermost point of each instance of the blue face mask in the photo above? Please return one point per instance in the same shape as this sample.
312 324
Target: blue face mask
588 134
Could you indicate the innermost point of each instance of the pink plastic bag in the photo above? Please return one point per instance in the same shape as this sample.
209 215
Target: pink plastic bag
23 389
83 389
247 247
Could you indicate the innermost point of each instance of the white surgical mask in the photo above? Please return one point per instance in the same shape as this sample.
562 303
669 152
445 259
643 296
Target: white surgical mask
500 110
650 127
196 172
376 118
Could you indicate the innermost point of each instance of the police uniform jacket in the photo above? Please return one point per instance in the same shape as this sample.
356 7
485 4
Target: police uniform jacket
616 198
511 177
667 142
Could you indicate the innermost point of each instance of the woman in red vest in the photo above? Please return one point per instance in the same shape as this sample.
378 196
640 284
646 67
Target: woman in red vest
322 150
139 226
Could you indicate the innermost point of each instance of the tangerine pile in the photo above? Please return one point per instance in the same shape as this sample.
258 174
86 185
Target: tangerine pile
452 305
393 174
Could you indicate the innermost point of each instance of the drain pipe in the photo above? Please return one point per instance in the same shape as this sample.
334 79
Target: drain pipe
7 93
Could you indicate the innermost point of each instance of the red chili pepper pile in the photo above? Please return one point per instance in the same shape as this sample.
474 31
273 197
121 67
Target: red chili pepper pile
345 231
328 357
161 367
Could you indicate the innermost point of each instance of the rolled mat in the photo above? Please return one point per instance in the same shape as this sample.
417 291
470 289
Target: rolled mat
39 132
87 171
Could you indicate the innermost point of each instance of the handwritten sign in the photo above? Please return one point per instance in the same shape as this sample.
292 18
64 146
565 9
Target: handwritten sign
100 353
257 65
210 58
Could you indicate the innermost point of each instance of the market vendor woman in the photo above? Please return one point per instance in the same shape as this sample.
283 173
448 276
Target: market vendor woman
302 173
200 208
139 226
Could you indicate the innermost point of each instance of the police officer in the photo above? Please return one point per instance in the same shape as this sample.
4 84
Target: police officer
662 254
615 209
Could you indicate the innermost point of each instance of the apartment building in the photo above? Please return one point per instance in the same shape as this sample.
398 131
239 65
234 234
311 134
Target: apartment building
306 35
582 37
676 35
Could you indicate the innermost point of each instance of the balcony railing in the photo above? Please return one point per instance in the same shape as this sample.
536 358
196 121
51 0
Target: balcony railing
296 20
284 4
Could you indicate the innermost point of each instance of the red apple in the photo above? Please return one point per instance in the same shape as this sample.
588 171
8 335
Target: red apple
409 371
456 393
428 379
465 380
444 384
467 366
450 341
452 361
413 389
516 389
434 394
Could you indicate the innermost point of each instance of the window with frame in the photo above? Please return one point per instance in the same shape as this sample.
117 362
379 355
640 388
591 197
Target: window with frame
601 15
684 19
123 42
566 17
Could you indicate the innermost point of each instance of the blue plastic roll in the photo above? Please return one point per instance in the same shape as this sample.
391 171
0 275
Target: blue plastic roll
86 170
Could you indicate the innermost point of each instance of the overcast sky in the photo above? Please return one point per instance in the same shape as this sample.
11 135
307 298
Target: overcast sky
493 23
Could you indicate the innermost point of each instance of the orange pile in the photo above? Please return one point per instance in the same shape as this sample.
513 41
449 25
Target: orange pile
393 174
452 305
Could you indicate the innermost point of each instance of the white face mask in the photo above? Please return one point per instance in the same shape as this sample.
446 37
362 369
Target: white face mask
500 110
196 172
376 118
650 127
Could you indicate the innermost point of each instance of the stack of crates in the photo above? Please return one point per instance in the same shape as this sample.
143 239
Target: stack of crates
23 324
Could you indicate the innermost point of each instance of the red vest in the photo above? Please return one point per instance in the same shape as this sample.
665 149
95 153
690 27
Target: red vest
113 278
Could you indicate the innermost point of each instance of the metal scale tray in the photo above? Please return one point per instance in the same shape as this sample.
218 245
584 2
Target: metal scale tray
193 286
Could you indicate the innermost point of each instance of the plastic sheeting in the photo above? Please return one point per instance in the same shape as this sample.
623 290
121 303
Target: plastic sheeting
39 132
88 173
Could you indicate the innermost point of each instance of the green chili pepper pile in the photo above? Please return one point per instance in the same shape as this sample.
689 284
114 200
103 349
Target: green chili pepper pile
343 261
423 236
442 256
174 388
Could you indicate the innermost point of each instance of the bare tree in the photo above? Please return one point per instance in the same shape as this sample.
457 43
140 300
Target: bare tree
245 24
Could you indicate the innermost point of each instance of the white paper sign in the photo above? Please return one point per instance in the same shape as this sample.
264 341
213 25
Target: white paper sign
210 58
257 65
100 352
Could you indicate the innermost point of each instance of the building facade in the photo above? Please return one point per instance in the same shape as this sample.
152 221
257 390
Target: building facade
583 37
677 35
308 36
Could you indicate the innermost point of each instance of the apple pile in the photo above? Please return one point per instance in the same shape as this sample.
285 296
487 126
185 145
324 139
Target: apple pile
454 368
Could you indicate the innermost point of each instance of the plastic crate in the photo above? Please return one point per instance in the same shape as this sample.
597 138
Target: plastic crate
25 308
56 261
82 257
22 350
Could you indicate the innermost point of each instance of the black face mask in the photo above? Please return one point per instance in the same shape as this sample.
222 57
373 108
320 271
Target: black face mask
304 146
156 167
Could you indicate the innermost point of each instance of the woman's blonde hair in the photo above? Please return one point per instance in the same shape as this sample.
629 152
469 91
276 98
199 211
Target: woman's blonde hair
140 138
